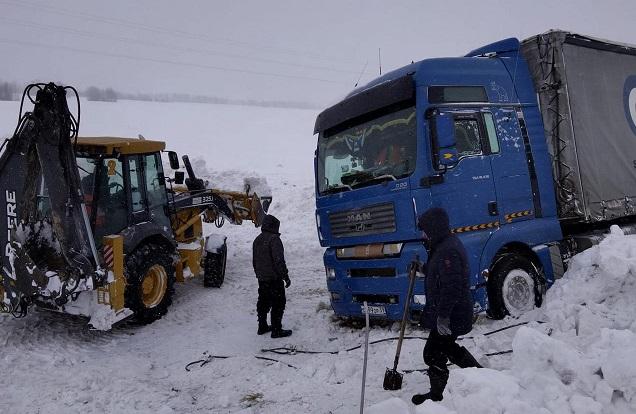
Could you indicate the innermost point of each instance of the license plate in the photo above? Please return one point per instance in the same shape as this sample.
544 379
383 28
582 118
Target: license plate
375 310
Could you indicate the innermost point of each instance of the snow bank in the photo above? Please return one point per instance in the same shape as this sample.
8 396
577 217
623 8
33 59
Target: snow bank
581 361
586 362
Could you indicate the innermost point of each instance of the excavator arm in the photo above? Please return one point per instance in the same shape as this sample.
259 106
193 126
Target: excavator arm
48 245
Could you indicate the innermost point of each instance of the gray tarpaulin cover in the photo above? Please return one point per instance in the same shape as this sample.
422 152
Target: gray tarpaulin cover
587 94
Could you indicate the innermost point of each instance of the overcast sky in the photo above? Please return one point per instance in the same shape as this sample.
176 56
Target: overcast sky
311 51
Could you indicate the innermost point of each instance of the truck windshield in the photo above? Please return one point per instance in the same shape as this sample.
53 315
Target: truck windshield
375 151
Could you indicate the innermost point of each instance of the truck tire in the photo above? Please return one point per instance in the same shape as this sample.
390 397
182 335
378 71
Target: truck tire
214 267
150 278
513 287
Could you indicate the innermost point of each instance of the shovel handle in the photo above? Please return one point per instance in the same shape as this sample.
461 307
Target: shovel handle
412 273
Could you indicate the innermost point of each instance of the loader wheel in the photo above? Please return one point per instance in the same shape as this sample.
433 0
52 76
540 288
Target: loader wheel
150 280
513 287
214 268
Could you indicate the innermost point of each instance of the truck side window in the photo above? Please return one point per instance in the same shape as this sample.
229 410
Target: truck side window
467 137
492 133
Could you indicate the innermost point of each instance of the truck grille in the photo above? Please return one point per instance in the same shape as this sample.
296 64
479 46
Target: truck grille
363 221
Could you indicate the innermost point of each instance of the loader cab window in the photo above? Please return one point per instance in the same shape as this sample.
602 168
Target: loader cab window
86 168
155 183
136 189
109 198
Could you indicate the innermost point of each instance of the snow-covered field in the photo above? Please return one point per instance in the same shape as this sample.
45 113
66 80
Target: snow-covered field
581 360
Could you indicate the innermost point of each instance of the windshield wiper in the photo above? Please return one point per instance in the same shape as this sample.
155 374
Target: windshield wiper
375 180
337 188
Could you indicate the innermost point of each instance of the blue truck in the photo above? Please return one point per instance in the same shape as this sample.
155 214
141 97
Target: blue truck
530 146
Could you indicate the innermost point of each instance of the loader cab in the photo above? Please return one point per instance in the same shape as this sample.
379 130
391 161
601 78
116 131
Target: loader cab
123 183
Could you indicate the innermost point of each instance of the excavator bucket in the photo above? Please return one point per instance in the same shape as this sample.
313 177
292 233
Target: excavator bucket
48 247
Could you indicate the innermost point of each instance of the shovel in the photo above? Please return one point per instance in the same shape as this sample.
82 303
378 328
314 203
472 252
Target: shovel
392 378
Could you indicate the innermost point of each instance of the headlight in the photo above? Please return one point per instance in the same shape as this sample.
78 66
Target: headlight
369 251
392 249
331 273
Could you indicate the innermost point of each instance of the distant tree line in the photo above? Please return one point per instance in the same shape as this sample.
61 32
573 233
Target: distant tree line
94 93
8 91
184 97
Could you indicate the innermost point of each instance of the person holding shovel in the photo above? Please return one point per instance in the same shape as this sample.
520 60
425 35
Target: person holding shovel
448 312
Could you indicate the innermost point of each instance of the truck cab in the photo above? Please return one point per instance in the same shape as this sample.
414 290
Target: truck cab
464 134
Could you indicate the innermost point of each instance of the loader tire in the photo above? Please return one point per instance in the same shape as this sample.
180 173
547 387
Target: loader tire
513 287
150 278
214 268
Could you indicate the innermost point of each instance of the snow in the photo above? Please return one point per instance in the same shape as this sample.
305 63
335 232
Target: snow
579 360
214 241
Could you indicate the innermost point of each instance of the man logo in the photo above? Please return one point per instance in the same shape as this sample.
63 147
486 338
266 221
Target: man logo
629 101
355 218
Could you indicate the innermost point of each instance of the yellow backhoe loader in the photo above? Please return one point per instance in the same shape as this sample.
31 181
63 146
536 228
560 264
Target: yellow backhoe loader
93 226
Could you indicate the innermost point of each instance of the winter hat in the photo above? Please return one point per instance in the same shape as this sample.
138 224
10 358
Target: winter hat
270 224
434 222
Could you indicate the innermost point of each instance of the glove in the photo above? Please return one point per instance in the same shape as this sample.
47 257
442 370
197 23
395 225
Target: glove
443 326
421 268
287 282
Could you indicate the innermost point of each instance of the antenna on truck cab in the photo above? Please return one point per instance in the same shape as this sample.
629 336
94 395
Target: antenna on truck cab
380 61
361 73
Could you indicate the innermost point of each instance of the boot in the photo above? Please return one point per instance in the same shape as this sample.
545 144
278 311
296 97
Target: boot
277 327
465 359
281 333
263 327
438 378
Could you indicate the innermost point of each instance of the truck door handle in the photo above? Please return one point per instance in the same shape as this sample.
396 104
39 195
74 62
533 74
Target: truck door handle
492 208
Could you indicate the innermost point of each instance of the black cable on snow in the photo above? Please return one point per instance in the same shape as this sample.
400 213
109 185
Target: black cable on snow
209 358
275 360
206 360
293 350
282 350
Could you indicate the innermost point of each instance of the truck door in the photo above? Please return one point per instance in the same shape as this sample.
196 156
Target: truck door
513 167
467 191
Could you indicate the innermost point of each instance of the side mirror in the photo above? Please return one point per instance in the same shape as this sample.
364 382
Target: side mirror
174 161
446 145
179 177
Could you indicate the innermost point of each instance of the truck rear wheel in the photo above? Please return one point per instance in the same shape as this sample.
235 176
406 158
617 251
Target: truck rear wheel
513 287
150 280
214 267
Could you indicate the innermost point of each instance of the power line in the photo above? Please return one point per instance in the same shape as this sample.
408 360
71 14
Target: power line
86 34
157 29
166 61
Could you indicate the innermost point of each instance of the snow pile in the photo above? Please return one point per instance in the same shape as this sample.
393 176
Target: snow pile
585 363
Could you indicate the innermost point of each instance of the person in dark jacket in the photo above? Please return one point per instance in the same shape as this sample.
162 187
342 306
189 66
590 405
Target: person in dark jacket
268 258
448 312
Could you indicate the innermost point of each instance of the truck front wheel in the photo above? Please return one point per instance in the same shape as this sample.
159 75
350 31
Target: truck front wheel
513 287
150 280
